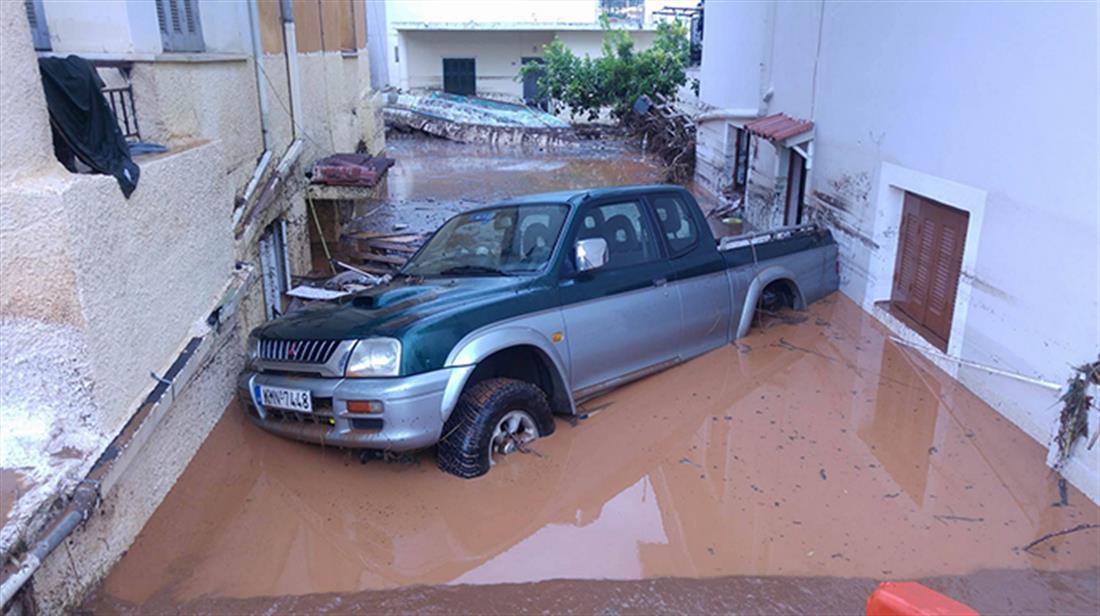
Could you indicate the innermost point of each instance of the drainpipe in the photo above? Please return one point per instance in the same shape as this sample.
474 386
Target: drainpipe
84 499
257 57
767 57
290 45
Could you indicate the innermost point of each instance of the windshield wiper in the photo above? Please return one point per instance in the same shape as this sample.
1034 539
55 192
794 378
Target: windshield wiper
474 269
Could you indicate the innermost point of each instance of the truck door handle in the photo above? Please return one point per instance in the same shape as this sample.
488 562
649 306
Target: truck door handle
660 282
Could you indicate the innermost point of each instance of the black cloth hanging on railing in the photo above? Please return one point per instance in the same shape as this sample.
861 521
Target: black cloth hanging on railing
84 124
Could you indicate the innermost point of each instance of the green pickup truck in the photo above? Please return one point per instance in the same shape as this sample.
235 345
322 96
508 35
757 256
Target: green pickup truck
518 311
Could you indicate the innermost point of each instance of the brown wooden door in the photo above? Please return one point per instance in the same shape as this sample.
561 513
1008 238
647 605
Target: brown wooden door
926 275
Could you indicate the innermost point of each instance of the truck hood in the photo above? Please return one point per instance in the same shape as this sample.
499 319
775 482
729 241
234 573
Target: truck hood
392 308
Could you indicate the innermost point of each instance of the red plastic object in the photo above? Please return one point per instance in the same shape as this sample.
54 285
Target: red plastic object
913 599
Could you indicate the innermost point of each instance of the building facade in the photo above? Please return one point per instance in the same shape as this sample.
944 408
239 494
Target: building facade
479 47
952 150
123 320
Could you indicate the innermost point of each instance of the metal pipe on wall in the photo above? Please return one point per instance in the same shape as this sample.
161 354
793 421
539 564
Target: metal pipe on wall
257 57
84 499
290 46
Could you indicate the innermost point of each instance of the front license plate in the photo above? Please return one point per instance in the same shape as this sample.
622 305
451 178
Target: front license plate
289 399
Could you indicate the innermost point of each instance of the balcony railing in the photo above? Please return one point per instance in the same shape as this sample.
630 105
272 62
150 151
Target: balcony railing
121 99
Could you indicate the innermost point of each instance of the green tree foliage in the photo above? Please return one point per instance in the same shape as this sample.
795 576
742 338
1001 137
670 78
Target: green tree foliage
619 76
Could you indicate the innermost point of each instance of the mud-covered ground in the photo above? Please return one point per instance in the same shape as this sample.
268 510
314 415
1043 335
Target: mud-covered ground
787 473
807 461
434 179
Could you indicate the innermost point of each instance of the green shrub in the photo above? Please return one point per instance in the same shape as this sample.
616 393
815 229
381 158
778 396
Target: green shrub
619 76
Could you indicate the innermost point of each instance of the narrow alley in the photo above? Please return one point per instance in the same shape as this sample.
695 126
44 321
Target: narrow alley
585 307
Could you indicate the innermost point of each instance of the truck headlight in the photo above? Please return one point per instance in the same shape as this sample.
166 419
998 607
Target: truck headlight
375 357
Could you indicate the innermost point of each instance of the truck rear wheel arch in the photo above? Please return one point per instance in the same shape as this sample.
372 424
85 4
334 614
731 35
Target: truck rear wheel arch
782 293
783 281
526 363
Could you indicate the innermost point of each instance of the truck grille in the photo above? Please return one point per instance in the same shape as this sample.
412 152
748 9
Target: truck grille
298 351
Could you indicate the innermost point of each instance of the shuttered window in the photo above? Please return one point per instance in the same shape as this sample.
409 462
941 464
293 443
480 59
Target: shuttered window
926 275
180 28
459 76
40 34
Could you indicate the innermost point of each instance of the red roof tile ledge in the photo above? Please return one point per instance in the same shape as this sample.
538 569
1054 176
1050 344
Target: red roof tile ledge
779 127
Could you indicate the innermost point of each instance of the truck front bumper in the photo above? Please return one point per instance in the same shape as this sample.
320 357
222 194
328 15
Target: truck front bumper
413 408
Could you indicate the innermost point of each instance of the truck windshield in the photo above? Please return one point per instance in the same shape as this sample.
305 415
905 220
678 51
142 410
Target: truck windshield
498 241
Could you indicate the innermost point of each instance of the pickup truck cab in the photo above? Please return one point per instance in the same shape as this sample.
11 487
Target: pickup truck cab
515 312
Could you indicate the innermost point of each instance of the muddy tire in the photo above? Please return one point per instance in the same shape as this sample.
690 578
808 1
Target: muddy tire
482 416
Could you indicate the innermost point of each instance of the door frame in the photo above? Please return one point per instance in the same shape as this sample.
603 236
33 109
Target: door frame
540 103
799 167
894 182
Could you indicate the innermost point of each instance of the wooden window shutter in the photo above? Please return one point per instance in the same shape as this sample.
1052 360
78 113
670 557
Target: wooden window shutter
40 34
929 262
180 26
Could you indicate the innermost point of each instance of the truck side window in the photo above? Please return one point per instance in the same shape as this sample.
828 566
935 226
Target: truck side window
623 225
676 224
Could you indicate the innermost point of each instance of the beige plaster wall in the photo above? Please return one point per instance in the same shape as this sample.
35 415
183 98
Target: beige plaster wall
149 267
339 107
179 103
24 127
97 545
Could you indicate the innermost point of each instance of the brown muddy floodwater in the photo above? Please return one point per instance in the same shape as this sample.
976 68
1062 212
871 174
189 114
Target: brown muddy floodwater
786 473
444 171
433 179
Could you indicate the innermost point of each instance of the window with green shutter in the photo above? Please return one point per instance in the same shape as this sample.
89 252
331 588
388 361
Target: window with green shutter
180 28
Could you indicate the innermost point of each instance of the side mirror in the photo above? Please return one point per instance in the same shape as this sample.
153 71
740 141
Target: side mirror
591 254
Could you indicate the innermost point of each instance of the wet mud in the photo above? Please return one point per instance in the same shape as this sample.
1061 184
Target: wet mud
990 592
434 179
788 472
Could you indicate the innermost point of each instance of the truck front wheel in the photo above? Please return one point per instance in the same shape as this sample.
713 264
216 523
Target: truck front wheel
493 418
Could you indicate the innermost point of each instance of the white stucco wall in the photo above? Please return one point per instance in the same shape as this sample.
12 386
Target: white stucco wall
130 27
120 27
588 42
498 54
491 11
981 107
225 26
736 43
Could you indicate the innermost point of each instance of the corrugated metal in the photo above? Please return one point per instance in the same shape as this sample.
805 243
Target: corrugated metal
778 127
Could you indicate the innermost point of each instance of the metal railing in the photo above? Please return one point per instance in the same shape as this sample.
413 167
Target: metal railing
121 100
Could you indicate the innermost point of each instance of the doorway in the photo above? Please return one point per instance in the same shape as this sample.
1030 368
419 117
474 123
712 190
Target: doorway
796 185
531 94
274 267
